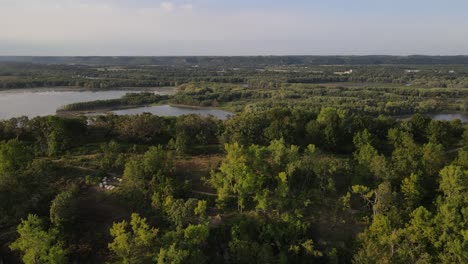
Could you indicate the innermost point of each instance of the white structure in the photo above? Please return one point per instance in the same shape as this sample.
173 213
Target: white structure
344 73
412 71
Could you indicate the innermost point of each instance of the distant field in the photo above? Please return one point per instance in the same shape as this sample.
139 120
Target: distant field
359 84
8 78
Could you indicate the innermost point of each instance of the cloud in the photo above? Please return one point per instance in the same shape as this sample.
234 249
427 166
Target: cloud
168 6
187 6
167 22
184 27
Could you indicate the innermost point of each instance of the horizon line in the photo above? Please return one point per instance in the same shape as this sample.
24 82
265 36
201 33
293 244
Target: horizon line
259 55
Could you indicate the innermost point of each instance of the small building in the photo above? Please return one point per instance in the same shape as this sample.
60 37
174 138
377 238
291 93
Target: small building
412 71
344 73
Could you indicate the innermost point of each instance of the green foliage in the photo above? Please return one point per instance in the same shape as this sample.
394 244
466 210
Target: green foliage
184 245
297 150
183 213
451 218
411 189
196 234
133 243
24 182
262 240
63 209
14 156
113 158
426 237
367 156
439 132
38 245
144 128
433 158
331 121
172 255
192 130
246 128
406 154
60 134
130 99
465 139
256 174
148 174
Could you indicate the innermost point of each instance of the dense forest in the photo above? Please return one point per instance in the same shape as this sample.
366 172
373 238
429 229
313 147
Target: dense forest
268 75
367 89
224 61
312 168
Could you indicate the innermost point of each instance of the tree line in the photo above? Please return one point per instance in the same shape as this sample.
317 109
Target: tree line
290 186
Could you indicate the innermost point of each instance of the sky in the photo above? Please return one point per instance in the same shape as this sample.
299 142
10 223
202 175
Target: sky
234 27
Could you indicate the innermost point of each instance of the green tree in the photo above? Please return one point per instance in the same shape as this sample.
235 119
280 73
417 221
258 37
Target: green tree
377 242
145 128
192 130
14 156
184 245
451 218
172 255
411 189
38 245
465 139
331 120
439 132
433 158
237 174
134 242
63 209
368 157
417 239
182 213
63 133
113 158
406 154
146 175
24 182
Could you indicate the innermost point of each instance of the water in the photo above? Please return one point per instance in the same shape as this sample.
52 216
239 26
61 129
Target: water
450 117
167 110
44 101
442 116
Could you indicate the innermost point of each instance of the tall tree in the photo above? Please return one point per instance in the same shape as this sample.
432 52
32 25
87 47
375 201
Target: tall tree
134 242
37 244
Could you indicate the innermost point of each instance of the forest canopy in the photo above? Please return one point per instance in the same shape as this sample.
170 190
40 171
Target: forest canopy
324 160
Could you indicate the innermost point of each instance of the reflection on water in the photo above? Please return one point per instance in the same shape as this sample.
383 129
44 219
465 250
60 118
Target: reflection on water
442 117
167 110
450 117
41 102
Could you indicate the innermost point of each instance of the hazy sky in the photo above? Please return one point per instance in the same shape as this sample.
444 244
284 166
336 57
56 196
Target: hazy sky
234 27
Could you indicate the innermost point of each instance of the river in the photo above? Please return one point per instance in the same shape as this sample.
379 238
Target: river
167 110
441 116
449 117
46 101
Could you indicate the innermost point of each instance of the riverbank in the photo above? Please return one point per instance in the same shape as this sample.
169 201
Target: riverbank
45 101
444 116
161 109
162 90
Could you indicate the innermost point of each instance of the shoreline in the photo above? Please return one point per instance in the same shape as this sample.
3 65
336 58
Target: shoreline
107 110
168 89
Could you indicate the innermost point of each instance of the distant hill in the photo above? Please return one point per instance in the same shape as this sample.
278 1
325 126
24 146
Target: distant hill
241 61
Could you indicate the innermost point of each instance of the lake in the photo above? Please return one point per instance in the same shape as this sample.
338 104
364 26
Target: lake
167 110
45 101
442 116
449 117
